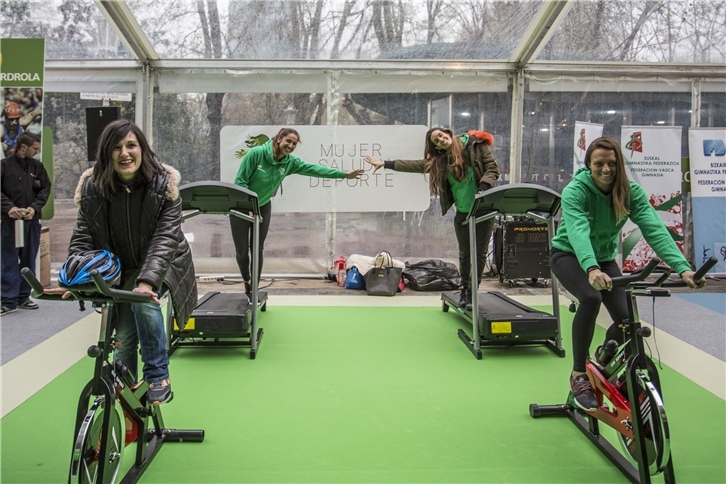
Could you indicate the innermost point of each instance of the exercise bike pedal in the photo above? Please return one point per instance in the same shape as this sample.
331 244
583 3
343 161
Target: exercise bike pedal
171 397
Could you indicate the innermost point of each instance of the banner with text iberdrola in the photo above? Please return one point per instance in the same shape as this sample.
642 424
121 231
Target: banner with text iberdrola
653 160
21 79
707 152
585 133
344 148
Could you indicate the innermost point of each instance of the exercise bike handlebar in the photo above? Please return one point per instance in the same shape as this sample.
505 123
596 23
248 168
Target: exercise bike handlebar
698 276
637 277
100 293
118 295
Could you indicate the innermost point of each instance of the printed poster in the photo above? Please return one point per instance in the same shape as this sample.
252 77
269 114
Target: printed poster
585 133
653 160
707 151
344 148
22 68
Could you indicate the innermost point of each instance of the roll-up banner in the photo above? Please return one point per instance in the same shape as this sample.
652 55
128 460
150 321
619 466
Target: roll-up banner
344 148
22 69
653 160
585 133
707 151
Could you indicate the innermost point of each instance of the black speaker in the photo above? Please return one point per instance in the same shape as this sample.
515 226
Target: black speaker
96 120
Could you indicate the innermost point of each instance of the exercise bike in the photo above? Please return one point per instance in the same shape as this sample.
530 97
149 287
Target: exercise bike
626 384
111 400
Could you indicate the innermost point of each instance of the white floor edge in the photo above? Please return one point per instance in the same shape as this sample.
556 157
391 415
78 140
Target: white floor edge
25 375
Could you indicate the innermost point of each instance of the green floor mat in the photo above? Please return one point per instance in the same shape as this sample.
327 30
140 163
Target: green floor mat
355 394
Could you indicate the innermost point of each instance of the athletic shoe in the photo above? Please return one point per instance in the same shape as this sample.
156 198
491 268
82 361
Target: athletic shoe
469 303
248 290
159 392
28 305
6 310
465 298
581 389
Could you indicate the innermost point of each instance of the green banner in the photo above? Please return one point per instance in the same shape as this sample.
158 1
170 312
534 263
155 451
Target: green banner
22 62
21 83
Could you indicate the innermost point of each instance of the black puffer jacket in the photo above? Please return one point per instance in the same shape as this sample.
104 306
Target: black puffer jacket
163 249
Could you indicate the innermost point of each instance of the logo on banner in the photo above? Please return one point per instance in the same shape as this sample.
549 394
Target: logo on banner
715 146
581 143
251 142
635 143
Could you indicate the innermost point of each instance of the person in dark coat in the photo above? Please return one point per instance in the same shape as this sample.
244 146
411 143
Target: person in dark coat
459 168
25 190
130 205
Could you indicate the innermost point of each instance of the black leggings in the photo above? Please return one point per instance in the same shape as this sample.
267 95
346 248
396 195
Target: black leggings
242 238
566 268
483 234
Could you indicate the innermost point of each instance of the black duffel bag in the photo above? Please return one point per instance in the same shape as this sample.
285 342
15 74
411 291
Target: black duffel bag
432 275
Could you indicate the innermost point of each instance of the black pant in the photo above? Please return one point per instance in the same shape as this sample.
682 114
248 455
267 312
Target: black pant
242 233
483 234
566 268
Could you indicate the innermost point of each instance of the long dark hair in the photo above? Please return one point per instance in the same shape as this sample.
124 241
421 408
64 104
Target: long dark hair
106 180
441 161
281 134
621 185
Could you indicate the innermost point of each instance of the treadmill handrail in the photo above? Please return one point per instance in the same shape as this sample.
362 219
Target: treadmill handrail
516 199
217 197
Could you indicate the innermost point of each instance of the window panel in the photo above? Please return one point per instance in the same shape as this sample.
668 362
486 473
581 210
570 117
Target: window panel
549 125
73 29
641 31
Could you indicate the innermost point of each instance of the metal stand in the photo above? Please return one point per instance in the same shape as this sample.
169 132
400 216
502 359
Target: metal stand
521 200
222 198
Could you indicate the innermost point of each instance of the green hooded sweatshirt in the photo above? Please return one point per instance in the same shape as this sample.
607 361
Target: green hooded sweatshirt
261 173
590 230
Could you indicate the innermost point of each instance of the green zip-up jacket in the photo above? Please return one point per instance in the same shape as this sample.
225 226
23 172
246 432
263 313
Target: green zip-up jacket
590 230
477 154
261 173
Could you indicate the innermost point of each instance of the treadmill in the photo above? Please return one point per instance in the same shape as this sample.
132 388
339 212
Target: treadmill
223 318
503 321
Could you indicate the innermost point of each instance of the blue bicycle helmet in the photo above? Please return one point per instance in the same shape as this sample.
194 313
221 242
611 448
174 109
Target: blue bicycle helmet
76 270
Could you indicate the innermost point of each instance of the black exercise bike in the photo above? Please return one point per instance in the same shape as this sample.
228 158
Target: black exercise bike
627 386
113 410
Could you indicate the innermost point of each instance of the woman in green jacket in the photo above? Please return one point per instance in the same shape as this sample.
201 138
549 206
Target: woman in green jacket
262 170
595 206
459 168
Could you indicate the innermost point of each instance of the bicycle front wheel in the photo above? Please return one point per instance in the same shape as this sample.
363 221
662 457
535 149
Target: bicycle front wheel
86 459
655 426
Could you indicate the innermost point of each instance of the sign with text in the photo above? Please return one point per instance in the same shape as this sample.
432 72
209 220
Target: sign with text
653 160
344 148
707 151
585 133
22 64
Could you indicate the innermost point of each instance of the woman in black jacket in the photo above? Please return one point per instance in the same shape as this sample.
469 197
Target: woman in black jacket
459 167
129 205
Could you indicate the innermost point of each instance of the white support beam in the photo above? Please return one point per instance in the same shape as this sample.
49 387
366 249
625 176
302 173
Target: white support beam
540 31
117 14
392 68
515 143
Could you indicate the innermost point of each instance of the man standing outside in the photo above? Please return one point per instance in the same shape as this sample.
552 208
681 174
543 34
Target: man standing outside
25 190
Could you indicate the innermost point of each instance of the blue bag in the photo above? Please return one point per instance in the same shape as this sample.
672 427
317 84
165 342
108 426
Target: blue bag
354 280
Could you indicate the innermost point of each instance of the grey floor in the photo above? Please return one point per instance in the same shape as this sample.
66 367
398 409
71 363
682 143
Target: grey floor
24 329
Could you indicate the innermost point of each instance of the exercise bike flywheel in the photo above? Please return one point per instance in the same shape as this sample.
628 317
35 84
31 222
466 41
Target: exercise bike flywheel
655 425
87 447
